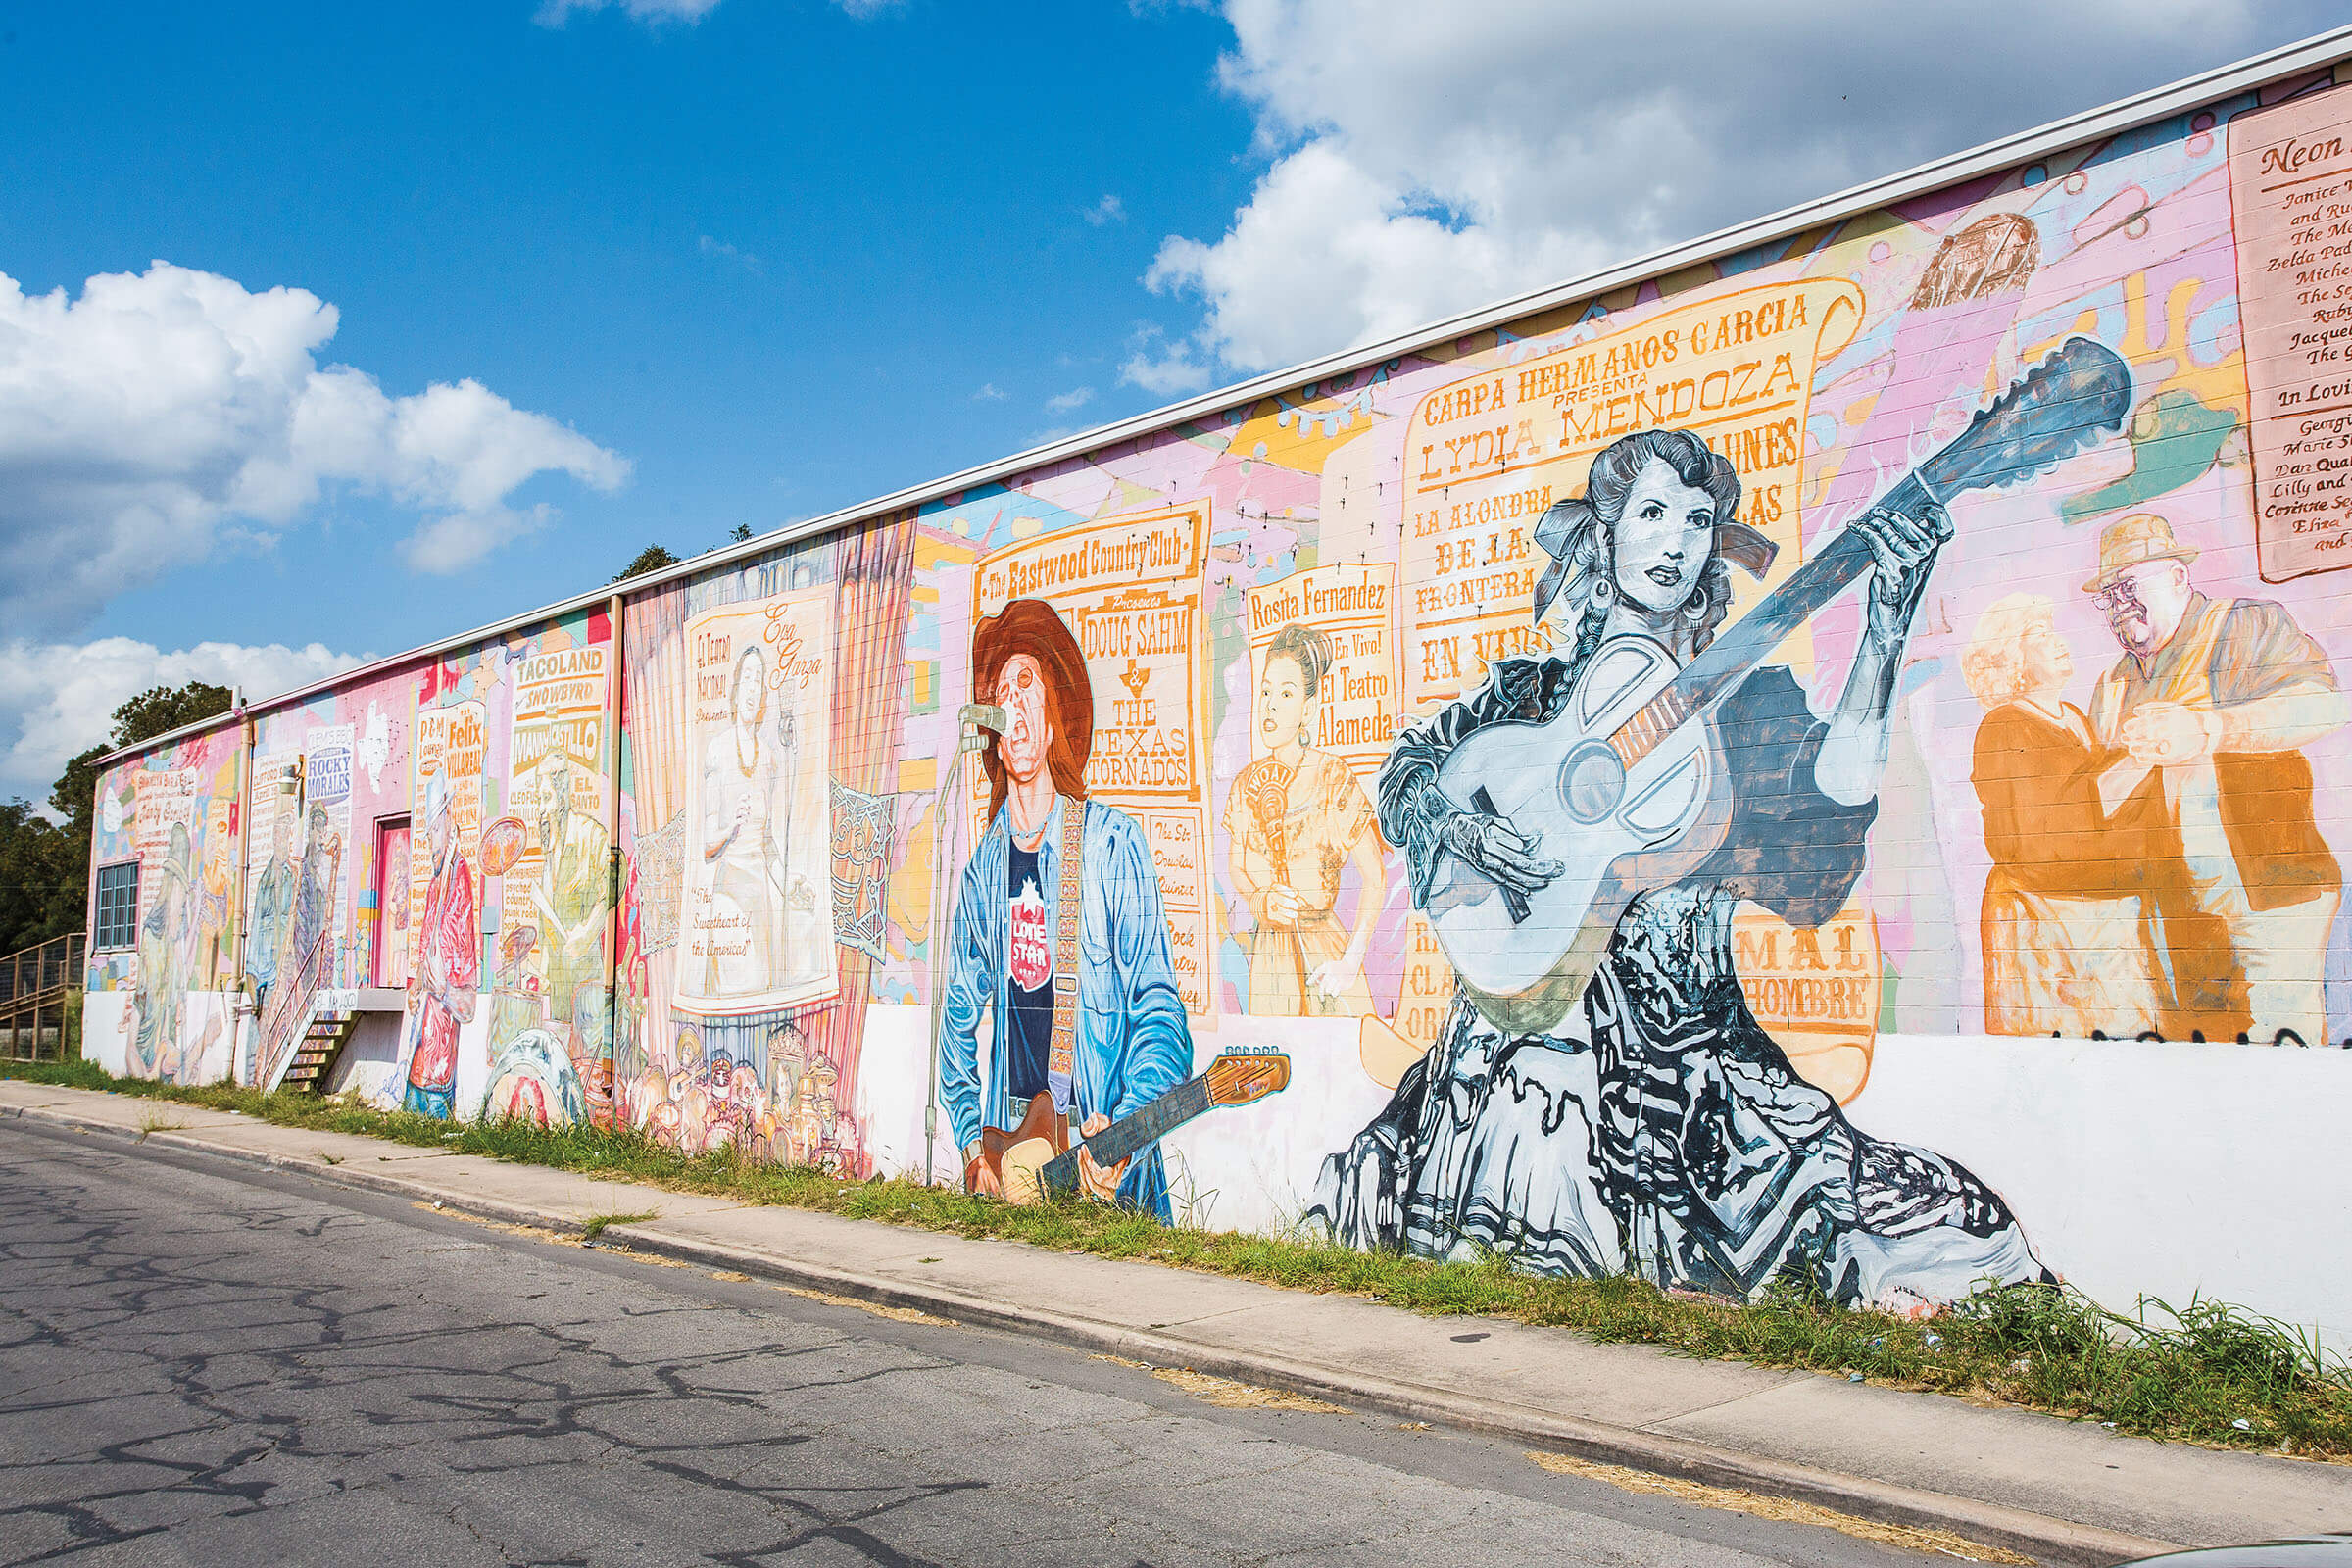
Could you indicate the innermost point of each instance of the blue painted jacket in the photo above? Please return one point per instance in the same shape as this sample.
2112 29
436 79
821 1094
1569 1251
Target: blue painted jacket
1133 1041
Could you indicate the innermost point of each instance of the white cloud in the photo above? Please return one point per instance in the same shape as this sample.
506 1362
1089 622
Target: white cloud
555 13
989 393
1075 398
162 409
1110 209
720 250
1162 367
1423 159
455 540
58 699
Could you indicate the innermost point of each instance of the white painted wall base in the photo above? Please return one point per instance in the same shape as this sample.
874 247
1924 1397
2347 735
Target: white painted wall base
370 1060
2163 1169
106 1025
2157 1168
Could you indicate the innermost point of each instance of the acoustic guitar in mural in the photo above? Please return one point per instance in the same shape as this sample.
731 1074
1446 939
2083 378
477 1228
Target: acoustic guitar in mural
1037 1158
1625 788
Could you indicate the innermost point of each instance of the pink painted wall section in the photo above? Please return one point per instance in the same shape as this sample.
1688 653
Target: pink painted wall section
1830 763
495 761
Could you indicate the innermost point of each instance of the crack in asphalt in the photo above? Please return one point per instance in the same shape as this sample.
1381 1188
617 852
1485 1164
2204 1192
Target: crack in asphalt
213 1366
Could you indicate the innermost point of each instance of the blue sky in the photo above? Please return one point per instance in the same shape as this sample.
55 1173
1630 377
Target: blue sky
639 271
769 257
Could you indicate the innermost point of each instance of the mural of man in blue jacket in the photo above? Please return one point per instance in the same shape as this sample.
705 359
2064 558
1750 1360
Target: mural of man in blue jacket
1128 1041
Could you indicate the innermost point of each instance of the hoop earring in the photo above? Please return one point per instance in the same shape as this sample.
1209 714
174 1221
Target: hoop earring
1603 589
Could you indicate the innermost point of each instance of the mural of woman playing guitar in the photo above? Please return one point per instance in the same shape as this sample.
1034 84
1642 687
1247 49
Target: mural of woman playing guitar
1643 1118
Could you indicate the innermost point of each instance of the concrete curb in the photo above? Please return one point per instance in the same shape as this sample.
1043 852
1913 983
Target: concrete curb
2041 1535
360 1178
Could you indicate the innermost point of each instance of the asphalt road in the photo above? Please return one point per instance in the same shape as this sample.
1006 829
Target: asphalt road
203 1362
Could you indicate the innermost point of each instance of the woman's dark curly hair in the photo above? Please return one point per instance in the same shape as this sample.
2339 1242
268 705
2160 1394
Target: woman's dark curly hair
1580 533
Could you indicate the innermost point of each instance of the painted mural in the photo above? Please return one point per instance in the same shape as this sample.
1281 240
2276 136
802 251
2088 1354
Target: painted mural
164 996
1561 792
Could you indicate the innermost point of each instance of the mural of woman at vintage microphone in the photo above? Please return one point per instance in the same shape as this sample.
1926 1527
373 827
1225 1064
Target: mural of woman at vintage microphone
1298 817
1628 1110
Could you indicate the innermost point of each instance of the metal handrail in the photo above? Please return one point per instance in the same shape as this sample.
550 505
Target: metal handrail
290 1002
35 983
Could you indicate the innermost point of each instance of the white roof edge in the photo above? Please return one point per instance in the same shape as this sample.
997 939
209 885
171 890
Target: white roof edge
2091 124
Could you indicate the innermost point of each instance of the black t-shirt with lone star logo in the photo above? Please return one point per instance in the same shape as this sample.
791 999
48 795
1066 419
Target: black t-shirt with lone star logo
1029 981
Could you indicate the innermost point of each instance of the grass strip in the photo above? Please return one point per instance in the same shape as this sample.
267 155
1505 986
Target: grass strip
2204 1372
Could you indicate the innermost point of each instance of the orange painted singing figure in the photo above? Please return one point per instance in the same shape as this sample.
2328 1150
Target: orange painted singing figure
1296 817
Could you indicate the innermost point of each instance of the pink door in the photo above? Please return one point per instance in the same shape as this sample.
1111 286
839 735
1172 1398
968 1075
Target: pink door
393 939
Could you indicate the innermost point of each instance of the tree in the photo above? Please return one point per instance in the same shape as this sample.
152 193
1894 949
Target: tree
66 863
157 711
161 709
43 872
652 558
740 532
76 790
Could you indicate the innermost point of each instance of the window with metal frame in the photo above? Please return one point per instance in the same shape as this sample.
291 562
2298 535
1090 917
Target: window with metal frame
118 905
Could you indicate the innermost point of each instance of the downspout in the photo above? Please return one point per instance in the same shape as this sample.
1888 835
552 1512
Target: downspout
242 1006
971 721
605 1088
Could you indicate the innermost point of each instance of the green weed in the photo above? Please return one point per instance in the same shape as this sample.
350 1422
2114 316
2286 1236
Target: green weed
2205 1371
596 1223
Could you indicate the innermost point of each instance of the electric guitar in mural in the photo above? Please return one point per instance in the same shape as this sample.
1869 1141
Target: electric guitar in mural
1626 786
1037 1158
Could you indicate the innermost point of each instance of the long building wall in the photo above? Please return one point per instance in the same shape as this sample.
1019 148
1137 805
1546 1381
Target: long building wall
1981 919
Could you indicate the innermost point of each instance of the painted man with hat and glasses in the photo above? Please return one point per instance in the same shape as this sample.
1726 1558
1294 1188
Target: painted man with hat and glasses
1087 1012
1656 1127
2210 708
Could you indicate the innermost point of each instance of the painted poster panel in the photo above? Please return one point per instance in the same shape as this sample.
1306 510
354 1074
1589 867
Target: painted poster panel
166 800
2290 180
556 746
1815 989
1298 819
758 918
863 828
1129 588
452 749
1487 457
273 875
1355 707
321 899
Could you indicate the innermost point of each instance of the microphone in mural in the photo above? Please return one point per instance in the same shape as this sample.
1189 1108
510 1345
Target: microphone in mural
1296 817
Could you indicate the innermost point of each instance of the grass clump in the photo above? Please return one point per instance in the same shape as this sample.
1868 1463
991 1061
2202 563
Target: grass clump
2204 1371
595 1224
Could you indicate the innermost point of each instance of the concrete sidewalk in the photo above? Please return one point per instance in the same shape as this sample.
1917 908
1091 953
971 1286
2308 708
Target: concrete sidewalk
2067 1492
